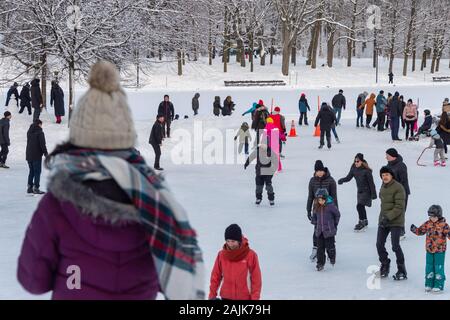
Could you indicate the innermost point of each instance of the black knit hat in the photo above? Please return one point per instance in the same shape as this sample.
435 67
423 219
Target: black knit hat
233 232
435 211
318 166
386 170
392 152
360 157
7 114
427 112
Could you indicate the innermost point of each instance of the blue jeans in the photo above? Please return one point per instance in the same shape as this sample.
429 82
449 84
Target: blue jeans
395 126
338 113
35 173
360 117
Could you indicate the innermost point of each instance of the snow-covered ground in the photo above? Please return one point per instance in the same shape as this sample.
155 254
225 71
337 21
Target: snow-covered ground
217 195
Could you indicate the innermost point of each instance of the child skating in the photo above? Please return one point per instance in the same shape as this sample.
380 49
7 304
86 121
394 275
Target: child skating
437 231
439 153
325 220
244 137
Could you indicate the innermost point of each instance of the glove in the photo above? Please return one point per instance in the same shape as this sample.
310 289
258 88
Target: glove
309 216
340 182
413 228
384 222
235 138
245 166
374 197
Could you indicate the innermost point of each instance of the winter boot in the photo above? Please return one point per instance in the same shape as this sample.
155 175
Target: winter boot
321 146
258 201
401 273
428 289
29 189
319 267
329 145
366 222
272 202
313 255
360 226
437 290
37 191
337 140
443 163
332 256
384 269
436 163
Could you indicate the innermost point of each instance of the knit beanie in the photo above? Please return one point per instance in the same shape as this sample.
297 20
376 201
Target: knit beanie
233 232
392 152
386 170
277 109
261 103
102 118
360 157
318 166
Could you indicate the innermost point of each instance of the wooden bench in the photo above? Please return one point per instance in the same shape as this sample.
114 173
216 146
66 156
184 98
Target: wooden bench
441 79
256 83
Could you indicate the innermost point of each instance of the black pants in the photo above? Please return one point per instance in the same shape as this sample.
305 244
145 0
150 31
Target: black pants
361 211
8 98
23 108
368 119
36 114
381 119
322 137
4 153
34 176
157 149
325 244
409 128
395 240
303 115
260 182
166 126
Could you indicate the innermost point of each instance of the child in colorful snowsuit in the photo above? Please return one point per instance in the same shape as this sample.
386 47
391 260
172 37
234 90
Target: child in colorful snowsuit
439 151
437 231
325 219
244 137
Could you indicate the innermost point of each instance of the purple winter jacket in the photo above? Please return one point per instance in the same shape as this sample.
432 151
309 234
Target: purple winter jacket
326 219
100 236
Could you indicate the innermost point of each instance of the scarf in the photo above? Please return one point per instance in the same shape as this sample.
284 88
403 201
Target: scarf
238 254
172 242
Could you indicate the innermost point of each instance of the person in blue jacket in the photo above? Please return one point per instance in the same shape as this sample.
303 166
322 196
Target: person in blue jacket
251 110
303 107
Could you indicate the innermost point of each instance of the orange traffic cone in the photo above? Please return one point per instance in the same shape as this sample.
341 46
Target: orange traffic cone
317 132
293 132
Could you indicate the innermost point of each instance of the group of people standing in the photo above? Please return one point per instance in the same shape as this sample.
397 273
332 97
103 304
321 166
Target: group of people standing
31 98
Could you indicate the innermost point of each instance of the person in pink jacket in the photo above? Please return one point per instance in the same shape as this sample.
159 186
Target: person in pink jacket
410 117
274 138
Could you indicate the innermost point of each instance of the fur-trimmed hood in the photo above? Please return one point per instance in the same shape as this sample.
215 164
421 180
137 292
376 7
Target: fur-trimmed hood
90 204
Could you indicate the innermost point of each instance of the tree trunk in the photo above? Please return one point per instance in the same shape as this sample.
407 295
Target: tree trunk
160 54
311 44
225 42
180 62
349 52
286 50
252 49
406 51
315 42
330 47
294 53
424 60
375 46
272 50
44 79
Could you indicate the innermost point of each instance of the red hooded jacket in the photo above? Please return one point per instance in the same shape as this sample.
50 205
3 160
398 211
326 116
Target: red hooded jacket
238 274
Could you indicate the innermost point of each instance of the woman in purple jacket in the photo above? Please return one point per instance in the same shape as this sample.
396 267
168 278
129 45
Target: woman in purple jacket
108 228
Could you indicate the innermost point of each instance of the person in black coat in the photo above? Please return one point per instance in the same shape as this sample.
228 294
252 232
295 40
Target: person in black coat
12 91
156 138
216 106
196 103
25 98
36 99
228 107
322 179
166 110
339 102
391 77
366 188
400 170
5 142
36 148
395 114
443 129
266 166
327 120
57 97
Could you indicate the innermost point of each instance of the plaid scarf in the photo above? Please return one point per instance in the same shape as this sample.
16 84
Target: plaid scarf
172 241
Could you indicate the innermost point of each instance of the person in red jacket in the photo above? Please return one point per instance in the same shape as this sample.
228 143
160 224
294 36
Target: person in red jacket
236 269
